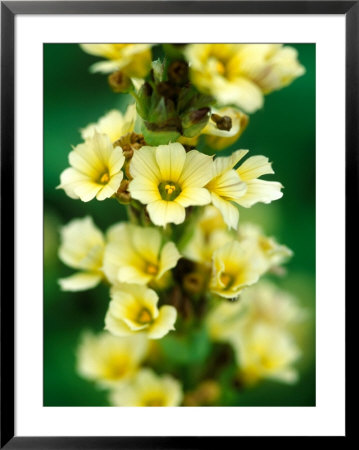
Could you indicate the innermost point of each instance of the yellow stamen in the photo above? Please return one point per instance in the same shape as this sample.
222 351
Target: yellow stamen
170 188
220 68
105 178
226 279
152 269
144 316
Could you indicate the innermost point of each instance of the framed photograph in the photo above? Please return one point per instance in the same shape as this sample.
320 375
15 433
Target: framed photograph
175 178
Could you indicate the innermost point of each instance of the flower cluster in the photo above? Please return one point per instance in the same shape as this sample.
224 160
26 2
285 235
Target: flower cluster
184 261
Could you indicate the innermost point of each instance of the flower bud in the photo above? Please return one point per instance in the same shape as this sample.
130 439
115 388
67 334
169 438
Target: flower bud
222 122
178 72
119 82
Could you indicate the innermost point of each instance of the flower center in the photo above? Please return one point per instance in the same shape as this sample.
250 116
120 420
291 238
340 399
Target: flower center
169 190
226 279
220 68
152 269
154 402
116 368
144 316
104 178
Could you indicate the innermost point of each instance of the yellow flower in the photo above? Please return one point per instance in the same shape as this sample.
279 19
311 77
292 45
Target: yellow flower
95 169
265 302
133 309
273 253
226 187
241 185
218 138
82 247
264 351
136 255
110 360
258 191
114 124
148 389
167 180
235 266
241 74
132 59
209 234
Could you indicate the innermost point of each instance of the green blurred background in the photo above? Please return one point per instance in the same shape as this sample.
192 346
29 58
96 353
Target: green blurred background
284 130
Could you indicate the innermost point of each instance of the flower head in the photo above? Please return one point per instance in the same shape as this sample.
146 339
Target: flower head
241 185
148 389
258 191
114 124
235 266
132 59
210 233
95 169
110 360
273 253
136 255
226 187
133 309
264 302
264 351
82 247
241 74
167 180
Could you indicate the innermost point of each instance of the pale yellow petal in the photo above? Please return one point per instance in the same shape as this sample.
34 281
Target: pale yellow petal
68 179
111 187
98 49
169 257
197 170
254 167
241 92
223 164
87 190
80 281
260 191
229 211
144 190
82 245
194 196
170 160
105 66
228 185
116 161
162 212
147 242
131 274
164 322
144 164
116 326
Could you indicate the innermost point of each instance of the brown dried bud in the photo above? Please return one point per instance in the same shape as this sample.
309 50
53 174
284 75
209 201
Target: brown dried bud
198 115
119 82
193 282
167 90
178 72
222 122
122 193
129 143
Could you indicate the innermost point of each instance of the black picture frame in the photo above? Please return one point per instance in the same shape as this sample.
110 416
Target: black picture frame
9 10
